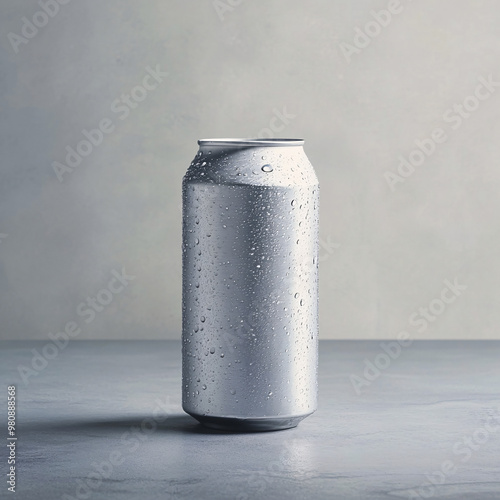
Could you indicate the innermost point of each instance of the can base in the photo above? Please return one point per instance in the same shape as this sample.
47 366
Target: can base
248 424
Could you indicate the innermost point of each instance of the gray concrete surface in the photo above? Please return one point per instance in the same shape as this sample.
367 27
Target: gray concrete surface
113 409
240 69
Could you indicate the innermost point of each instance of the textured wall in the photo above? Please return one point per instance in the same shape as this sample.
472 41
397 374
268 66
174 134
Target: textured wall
362 86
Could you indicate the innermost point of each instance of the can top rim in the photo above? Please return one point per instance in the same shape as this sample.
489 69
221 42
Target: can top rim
251 142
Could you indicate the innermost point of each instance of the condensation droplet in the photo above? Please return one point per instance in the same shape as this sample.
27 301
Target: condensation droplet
267 168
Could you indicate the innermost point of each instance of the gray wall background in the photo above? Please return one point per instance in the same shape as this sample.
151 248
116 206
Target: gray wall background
232 67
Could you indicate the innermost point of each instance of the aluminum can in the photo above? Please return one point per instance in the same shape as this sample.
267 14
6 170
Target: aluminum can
250 284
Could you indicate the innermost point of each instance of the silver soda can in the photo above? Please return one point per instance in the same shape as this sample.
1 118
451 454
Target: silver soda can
250 284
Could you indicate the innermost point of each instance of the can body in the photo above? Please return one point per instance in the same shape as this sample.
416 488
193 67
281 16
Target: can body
250 284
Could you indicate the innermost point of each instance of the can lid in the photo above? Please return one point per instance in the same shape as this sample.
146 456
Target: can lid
258 142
